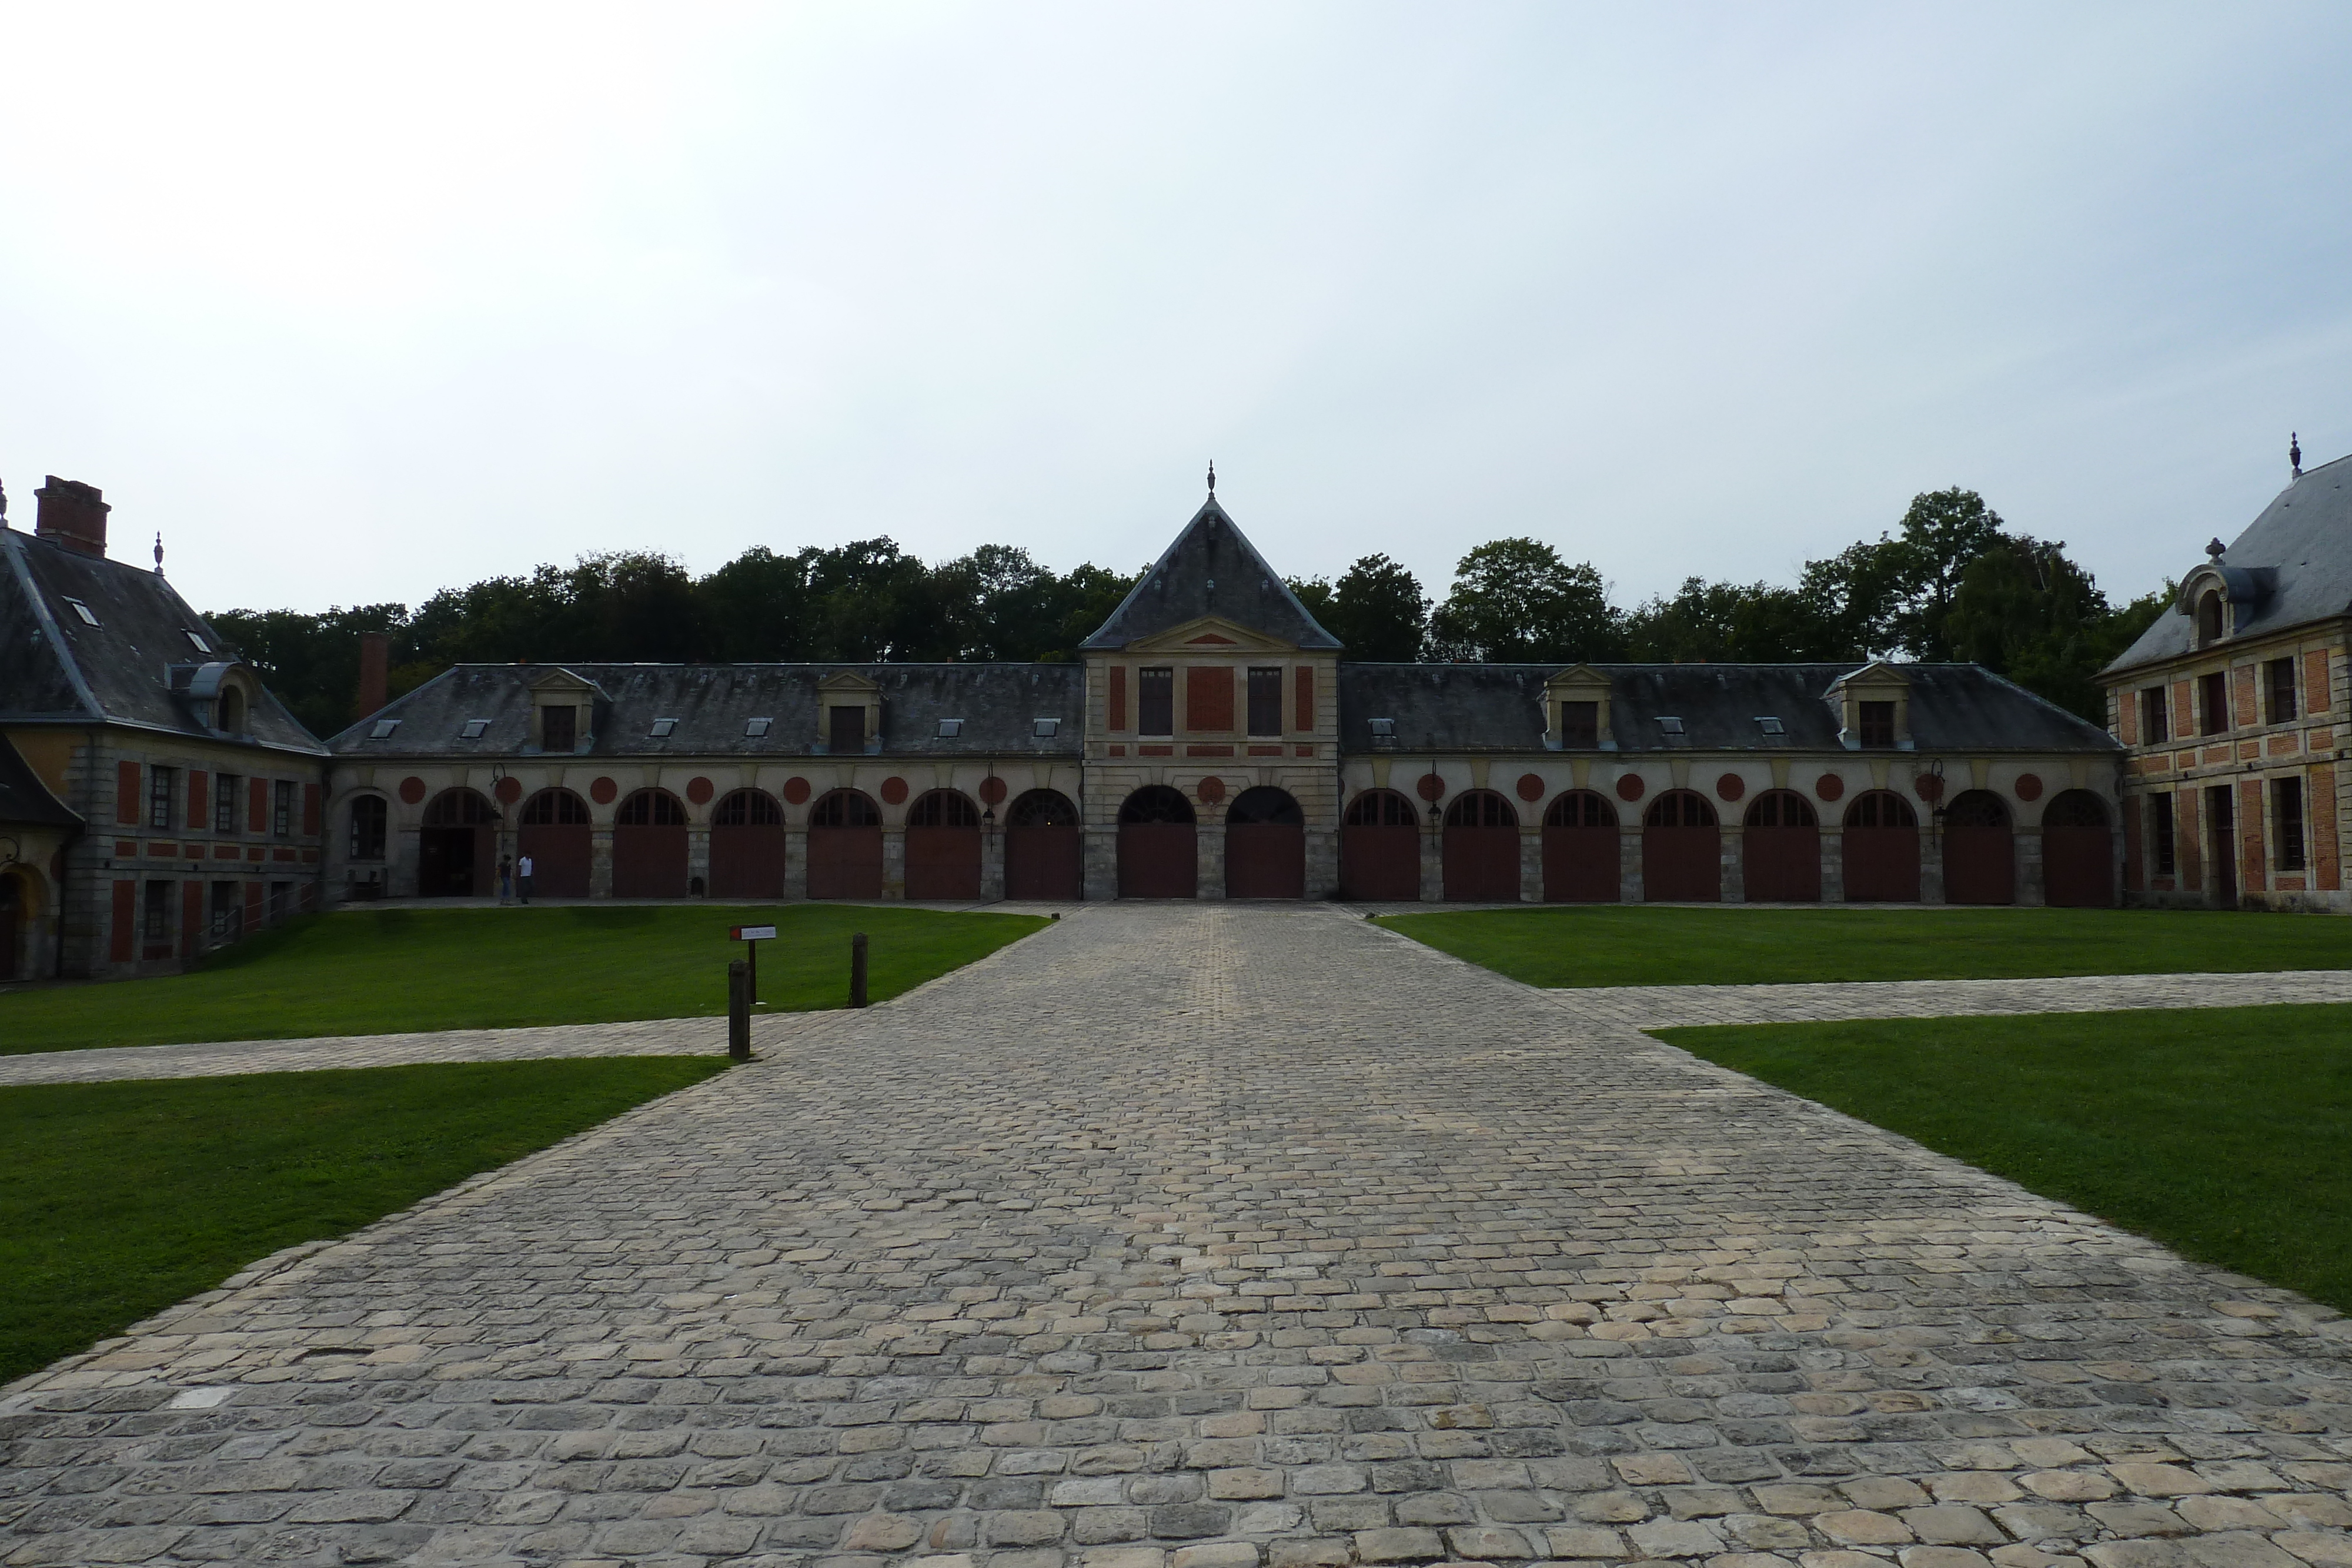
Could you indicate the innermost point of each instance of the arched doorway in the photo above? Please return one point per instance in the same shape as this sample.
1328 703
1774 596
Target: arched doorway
1781 849
1881 848
457 852
845 846
1266 845
1979 851
1581 864
15 925
1045 847
556 835
1158 845
1682 850
2078 866
649 846
747 846
1481 849
1380 848
943 846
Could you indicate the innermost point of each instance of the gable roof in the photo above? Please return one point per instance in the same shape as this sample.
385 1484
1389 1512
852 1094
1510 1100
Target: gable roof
56 667
24 799
1211 569
2291 564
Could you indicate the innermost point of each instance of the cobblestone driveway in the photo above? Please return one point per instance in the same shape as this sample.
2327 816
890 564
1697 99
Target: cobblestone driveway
1202 1237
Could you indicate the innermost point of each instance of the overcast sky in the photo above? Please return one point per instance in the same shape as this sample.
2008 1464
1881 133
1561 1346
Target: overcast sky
352 306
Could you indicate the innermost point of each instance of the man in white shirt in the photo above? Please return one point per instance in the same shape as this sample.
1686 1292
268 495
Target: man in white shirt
522 877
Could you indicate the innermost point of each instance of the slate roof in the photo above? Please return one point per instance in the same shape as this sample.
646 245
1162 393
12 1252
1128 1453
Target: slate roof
55 667
999 704
1499 708
2294 561
24 799
1211 569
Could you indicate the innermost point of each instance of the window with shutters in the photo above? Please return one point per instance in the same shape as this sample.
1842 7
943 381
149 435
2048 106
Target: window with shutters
160 783
2278 691
2155 718
1265 702
1155 702
2213 702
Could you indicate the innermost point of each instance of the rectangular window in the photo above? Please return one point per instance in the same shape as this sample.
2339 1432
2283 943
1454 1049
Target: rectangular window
558 728
2286 821
2159 834
224 803
1580 726
844 734
369 817
2212 704
1877 724
228 912
161 782
1155 702
281 809
155 921
2155 719
1265 702
2278 691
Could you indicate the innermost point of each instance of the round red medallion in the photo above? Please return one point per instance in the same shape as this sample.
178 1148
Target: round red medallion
796 789
1432 786
507 790
411 789
603 790
699 790
1829 786
1730 787
991 790
1531 786
1629 787
2029 786
1211 790
894 791
1928 787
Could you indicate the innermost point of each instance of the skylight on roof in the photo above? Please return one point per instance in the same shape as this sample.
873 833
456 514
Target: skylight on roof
949 728
1047 729
754 729
83 611
475 729
384 728
197 642
663 728
1771 725
1669 724
1384 726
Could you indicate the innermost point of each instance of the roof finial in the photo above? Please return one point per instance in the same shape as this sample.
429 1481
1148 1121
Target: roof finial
2214 548
2294 455
158 555
1212 478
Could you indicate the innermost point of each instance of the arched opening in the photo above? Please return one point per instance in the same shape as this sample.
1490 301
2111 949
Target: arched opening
1479 854
1380 848
845 846
2208 618
1980 851
231 710
943 846
1682 850
555 836
456 848
1881 848
649 846
1581 859
747 846
2078 849
1158 850
1781 849
1045 847
1266 845
16 926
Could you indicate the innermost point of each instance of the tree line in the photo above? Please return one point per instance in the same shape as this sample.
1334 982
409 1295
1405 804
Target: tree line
1950 583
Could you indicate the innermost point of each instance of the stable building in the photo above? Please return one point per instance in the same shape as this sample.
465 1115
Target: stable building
1214 742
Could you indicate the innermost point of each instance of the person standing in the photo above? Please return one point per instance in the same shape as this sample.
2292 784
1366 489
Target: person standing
522 874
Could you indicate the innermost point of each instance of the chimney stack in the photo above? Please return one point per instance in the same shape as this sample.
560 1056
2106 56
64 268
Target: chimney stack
73 514
375 672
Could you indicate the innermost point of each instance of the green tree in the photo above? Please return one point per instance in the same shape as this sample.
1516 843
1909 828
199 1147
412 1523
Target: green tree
1718 622
1944 533
1378 612
1515 601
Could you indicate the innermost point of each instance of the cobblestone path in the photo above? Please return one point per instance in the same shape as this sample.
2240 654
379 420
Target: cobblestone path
1205 1237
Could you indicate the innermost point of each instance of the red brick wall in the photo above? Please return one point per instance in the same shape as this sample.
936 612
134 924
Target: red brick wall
126 792
2243 711
2189 840
2184 709
2127 718
2253 870
2316 699
2326 863
198 816
256 794
1209 698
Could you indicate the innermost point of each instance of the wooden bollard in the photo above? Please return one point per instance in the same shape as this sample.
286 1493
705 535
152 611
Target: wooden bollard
738 1010
857 971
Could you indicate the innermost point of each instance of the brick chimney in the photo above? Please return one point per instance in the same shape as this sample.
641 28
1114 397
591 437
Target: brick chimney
73 514
375 672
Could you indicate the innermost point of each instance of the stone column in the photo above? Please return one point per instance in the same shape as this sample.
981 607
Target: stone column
992 863
600 863
1733 888
1629 866
1531 887
401 873
1432 863
894 862
698 860
1832 865
1931 865
1102 863
1322 863
1209 860
795 862
2030 888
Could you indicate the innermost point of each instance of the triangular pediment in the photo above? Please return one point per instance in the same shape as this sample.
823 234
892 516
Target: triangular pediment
1211 635
558 681
1579 678
845 682
1879 673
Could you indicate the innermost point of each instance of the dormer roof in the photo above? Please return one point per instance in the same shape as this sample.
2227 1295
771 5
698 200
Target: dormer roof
1211 572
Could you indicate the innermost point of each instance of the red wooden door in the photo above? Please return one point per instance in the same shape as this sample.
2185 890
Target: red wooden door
1682 865
747 861
648 861
1979 866
1881 865
845 862
1781 865
1044 863
1581 865
943 863
560 856
1380 863
1265 860
1481 865
1157 860
2078 869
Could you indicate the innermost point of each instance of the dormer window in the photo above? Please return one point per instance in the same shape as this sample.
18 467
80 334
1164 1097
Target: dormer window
2208 618
1046 728
78 608
1769 724
231 712
558 728
1669 724
1877 723
755 729
949 728
198 643
384 728
475 729
663 728
1579 725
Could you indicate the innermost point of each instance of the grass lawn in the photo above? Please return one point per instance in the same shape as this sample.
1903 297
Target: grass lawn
384 971
1633 945
2225 1133
122 1198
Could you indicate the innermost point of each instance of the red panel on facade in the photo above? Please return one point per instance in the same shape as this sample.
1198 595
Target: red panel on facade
1209 698
253 906
1380 863
942 862
845 862
126 792
122 938
648 861
1265 860
257 795
1682 865
1979 865
559 858
1116 717
2078 870
1580 865
1881 865
1043 862
1481 865
1781 865
1157 860
747 861
199 801
1304 717
310 810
